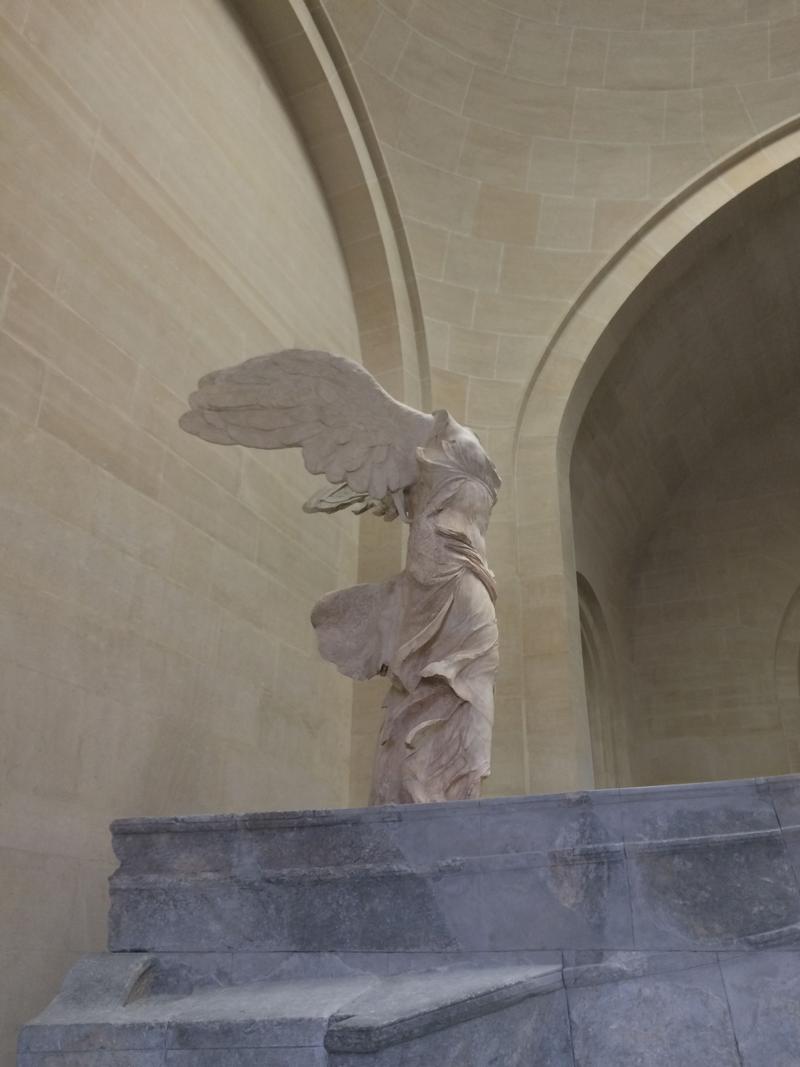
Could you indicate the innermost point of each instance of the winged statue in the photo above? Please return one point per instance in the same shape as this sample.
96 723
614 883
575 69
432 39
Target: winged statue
431 629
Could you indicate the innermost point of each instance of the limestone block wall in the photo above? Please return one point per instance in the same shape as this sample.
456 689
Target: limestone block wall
159 218
526 140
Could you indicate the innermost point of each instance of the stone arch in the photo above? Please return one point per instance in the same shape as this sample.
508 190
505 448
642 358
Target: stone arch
299 48
583 346
337 136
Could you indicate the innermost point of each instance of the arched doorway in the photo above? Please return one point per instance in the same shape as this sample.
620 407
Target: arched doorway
721 217
684 504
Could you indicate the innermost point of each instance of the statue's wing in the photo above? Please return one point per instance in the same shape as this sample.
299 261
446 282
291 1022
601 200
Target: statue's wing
348 427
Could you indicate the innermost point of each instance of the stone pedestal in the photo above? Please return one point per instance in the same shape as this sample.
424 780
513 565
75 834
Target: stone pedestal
657 926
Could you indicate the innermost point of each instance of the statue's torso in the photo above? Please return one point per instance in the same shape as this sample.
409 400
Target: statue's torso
450 512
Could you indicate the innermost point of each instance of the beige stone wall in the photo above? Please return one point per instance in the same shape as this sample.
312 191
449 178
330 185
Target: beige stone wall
159 219
683 501
710 598
526 141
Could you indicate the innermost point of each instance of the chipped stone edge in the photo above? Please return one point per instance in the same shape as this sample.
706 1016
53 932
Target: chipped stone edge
354 1034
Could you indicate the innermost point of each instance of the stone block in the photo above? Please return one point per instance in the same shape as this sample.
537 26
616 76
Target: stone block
658 813
532 1032
449 934
116 1058
277 1014
791 838
369 908
179 973
711 892
528 824
160 852
247 1057
591 968
285 1021
518 105
659 1020
95 985
580 903
495 155
413 1005
534 873
764 995
102 1034
433 72
785 793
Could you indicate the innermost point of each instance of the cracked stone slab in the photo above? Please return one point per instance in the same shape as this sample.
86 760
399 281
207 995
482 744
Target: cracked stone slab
596 968
711 892
412 1005
531 1033
666 1020
658 813
644 893
764 993
281 1014
284 1019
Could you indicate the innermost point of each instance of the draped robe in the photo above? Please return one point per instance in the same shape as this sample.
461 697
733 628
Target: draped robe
433 631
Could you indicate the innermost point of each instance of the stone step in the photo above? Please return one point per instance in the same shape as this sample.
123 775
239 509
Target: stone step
109 1011
606 929
611 870
409 1006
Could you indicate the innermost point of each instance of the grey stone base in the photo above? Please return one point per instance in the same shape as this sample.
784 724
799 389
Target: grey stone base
113 1010
649 927
666 1009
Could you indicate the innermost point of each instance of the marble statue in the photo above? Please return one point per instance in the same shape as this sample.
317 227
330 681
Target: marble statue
431 629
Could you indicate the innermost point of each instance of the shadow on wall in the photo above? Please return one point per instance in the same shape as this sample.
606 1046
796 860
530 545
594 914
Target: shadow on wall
602 700
787 666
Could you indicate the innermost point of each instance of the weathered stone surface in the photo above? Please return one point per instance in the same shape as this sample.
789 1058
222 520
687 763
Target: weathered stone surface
711 892
412 1005
764 994
785 793
534 824
666 1020
117 1058
791 837
103 980
597 967
532 1032
314 910
277 1014
405 925
264 1015
89 1032
531 873
181 973
782 936
83 1018
247 1057
581 903
285 1021
658 813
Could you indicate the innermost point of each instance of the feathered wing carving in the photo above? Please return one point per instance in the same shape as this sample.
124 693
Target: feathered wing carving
349 428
